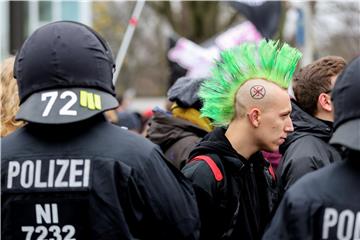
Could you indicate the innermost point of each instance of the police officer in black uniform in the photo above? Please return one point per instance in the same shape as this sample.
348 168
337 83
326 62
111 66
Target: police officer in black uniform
69 174
326 204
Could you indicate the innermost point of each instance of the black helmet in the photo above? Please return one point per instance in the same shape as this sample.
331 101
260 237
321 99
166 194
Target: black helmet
346 100
64 72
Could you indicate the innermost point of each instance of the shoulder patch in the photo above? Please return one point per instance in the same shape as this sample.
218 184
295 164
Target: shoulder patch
211 163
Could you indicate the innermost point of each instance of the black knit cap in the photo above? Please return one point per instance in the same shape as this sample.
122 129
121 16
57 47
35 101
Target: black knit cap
65 56
346 99
185 92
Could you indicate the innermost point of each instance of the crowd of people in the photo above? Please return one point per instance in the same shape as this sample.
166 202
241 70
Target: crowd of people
74 166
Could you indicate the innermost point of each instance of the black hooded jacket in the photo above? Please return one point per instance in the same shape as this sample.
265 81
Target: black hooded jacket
305 150
238 206
176 137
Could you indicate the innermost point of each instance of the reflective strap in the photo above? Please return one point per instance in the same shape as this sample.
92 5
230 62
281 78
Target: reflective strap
83 98
97 101
90 100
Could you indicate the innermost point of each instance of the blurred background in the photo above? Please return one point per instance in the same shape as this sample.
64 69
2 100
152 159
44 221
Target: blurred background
177 38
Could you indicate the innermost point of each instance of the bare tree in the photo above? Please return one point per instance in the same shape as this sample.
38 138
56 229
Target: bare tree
145 66
196 20
337 28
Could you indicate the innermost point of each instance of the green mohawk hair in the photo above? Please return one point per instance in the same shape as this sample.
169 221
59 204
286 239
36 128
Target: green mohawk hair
267 60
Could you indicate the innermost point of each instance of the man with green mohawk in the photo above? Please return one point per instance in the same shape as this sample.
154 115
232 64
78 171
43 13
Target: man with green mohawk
247 100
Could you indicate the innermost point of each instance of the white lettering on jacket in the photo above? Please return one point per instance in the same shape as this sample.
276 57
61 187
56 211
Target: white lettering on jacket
346 223
59 173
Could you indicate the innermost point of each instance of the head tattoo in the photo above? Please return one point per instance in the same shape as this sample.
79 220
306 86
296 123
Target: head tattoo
267 60
257 92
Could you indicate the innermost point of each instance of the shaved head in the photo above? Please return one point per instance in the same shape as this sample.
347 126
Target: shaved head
256 93
262 118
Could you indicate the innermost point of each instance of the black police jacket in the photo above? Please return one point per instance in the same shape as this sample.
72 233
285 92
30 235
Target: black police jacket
324 204
238 206
305 150
91 180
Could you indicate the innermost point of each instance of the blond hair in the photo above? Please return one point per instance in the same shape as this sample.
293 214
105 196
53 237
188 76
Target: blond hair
111 116
9 98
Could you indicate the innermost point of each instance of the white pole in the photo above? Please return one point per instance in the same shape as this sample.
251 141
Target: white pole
127 37
308 27
4 29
